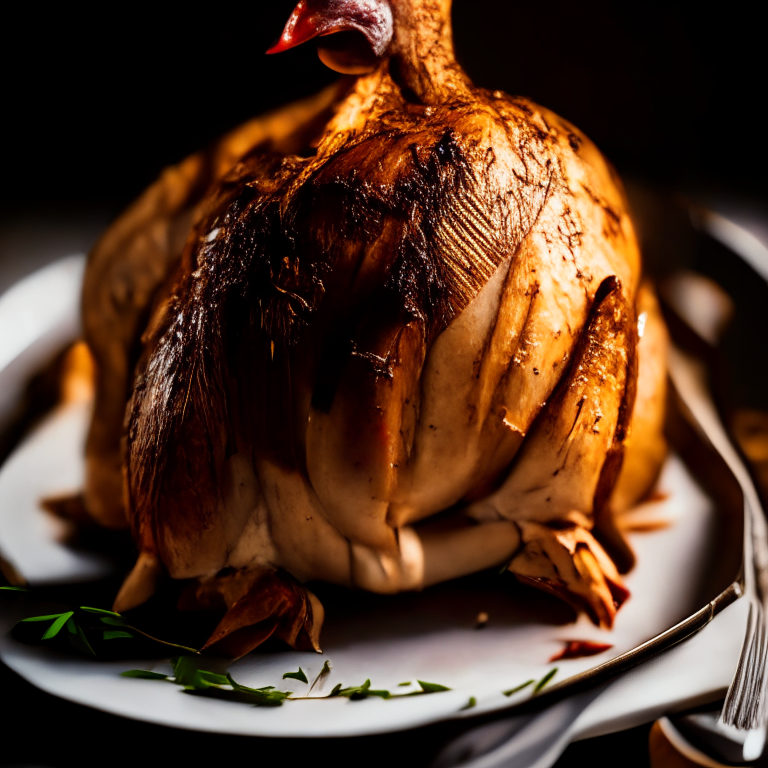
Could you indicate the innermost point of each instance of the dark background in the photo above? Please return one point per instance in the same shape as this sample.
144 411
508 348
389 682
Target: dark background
96 102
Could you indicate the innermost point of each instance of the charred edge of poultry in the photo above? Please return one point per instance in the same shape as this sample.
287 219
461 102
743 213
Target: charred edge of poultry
561 557
606 530
451 229
567 562
450 252
610 287
419 201
243 254
259 605
129 271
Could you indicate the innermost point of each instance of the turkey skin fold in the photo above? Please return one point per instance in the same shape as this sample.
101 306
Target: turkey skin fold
385 337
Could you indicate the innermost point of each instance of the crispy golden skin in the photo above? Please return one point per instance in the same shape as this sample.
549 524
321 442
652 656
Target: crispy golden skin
433 311
128 266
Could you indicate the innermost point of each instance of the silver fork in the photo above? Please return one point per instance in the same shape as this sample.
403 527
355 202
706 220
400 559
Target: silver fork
744 714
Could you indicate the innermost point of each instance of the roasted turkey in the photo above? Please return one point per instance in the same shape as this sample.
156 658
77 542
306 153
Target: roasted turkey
386 337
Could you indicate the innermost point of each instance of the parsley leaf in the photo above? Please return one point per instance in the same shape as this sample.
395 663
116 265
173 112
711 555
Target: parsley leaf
43 618
188 674
296 676
432 687
357 692
57 625
60 620
112 622
471 703
261 697
195 679
84 645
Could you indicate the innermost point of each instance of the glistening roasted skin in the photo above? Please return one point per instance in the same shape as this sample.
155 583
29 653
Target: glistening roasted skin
436 311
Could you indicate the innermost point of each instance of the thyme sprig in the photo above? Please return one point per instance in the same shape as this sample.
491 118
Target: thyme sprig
544 680
188 673
113 619
324 672
518 687
536 688
364 691
72 620
193 679
59 621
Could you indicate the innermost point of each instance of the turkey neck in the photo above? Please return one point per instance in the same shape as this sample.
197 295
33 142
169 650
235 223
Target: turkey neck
420 69
422 60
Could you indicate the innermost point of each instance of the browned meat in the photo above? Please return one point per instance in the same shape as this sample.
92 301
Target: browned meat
400 344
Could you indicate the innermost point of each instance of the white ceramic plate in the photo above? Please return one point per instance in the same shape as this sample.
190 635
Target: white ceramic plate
428 636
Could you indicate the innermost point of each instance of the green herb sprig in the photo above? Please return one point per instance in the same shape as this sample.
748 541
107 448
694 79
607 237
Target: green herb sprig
72 620
59 621
544 680
300 676
537 687
364 691
518 687
193 678
110 618
324 672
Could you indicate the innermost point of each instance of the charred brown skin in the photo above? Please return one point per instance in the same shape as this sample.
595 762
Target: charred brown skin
130 263
325 336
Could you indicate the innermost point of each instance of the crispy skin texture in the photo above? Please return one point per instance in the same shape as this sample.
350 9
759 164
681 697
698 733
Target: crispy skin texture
284 298
126 271
434 309
571 456
259 605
